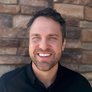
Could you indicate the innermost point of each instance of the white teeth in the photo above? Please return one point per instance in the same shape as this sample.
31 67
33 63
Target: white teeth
44 55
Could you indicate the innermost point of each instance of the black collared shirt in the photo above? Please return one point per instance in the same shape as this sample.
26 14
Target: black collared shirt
24 80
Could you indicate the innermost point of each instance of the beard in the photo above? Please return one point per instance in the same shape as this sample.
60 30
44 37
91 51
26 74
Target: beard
45 65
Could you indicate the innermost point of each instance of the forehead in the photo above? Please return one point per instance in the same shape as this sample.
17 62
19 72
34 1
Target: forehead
45 25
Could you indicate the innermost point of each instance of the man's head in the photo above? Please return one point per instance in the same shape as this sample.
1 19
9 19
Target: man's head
47 38
53 14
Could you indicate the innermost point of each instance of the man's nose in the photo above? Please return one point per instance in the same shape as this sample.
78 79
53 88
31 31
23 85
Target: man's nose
43 45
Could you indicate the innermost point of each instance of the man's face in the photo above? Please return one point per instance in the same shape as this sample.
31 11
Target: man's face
45 43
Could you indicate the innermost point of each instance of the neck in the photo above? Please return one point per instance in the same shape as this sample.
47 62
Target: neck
46 77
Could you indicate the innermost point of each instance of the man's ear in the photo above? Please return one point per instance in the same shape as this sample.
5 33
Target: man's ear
63 45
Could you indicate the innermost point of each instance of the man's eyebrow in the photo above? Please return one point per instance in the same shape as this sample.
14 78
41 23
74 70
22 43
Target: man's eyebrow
35 35
56 35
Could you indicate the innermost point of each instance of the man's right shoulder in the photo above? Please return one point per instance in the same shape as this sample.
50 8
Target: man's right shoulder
12 74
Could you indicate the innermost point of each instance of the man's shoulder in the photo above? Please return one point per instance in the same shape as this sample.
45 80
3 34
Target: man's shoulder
18 72
71 73
75 77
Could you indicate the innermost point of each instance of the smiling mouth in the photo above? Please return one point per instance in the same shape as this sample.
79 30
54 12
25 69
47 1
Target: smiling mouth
44 55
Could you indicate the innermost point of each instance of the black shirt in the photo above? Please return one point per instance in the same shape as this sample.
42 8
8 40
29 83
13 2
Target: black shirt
24 80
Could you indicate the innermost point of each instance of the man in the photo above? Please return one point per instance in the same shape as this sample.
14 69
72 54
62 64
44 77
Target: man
45 74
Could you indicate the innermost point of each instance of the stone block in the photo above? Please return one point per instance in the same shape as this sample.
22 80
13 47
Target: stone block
85 68
88 13
86 46
5 20
11 9
8 51
69 10
86 35
13 33
85 24
20 21
14 60
8 1
73 32
42 3
8 42
87 57
73 44
23 51
24 43
71 56
30 9
78 2
72 22
73 67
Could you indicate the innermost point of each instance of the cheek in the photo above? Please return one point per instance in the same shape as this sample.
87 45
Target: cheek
31 49
57 47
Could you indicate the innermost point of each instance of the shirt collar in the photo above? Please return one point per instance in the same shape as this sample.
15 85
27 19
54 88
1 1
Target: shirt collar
31 74
32 77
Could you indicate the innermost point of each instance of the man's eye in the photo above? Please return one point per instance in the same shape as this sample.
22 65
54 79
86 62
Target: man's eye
35 38
53 38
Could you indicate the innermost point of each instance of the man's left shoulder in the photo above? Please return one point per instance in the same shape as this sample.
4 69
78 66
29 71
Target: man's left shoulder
75 77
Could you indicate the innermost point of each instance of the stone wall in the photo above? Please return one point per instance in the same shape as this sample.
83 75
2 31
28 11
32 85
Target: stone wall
15 14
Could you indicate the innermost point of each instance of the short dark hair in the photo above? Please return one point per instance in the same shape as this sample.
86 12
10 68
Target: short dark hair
53 14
